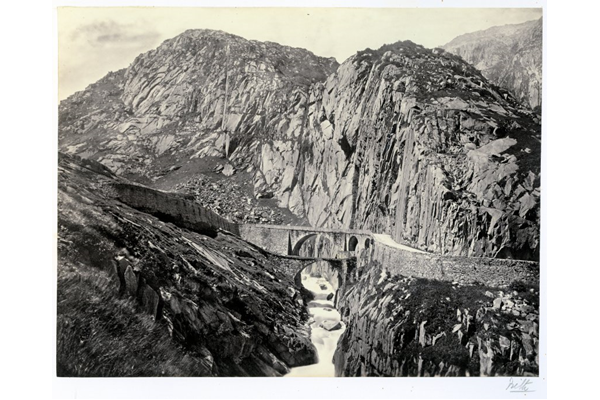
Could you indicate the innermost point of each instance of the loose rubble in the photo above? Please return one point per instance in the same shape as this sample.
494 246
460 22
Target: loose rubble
232 200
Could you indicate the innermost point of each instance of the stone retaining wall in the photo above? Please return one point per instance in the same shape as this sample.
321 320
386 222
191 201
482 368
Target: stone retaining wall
488 271
175 208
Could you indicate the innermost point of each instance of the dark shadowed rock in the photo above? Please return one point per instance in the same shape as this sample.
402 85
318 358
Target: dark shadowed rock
148 289
403 326
131 284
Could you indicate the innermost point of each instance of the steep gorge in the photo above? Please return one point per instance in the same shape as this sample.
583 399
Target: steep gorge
416 143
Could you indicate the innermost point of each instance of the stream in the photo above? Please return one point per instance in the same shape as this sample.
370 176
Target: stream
322 314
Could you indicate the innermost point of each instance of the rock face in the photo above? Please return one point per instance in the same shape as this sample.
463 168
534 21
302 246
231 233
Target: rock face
139 296
403 326
509 55
400 140
416 143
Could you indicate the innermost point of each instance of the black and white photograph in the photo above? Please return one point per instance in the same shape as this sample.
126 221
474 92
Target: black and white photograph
299 192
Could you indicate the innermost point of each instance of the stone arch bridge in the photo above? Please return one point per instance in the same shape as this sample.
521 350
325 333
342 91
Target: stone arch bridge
326 243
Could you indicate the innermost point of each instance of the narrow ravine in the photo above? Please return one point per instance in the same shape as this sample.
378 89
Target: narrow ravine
326 327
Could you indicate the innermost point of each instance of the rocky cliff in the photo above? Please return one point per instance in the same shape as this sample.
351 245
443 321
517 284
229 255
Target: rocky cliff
415 143
140 295
400 140
400 325
509 55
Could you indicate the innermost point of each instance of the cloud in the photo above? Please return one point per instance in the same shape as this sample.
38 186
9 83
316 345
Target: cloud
88 49
109 32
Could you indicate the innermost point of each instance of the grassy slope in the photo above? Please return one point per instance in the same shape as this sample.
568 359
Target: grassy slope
100 333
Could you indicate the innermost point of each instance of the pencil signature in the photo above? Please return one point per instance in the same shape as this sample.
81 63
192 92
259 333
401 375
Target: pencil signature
520 385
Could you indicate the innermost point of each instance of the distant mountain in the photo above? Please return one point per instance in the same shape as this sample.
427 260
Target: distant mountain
509 56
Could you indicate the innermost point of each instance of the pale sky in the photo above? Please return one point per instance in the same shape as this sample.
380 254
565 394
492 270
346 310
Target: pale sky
94 41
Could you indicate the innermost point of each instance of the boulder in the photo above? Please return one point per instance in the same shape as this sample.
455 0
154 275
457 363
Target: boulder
497 303
504 344
331 325
228 170
422 341
291 291
527 344
150 300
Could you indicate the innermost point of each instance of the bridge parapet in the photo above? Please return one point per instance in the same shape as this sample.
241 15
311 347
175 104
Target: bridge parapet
310 229
289 240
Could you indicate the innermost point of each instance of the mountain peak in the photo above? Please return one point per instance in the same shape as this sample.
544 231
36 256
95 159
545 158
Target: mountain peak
199 34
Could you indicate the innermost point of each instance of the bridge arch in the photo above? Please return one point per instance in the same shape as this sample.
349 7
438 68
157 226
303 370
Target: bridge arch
334 271
323 245
352 243
299 243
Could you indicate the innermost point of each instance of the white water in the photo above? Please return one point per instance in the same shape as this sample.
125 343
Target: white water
320 310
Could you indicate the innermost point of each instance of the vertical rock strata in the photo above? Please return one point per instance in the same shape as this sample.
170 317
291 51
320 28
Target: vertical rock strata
403 326
416 143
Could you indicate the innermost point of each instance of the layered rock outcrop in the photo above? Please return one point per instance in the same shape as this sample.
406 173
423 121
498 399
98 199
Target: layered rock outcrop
509 55
400 140
141 296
